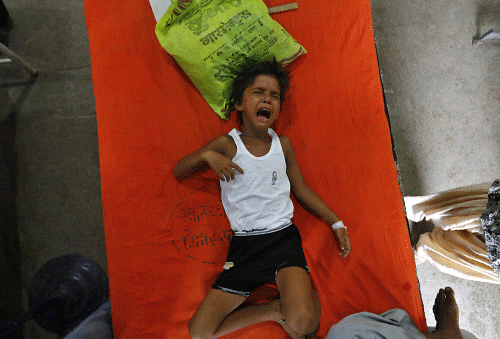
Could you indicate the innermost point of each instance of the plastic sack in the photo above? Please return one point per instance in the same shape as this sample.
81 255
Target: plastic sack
214 40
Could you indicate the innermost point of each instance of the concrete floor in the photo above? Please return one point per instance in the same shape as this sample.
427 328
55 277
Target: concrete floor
442 94
444 104
53 121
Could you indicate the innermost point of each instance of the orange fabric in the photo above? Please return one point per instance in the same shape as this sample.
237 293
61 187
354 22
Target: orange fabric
167 239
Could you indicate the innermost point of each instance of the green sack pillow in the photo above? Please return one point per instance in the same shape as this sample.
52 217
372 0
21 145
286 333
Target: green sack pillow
214 40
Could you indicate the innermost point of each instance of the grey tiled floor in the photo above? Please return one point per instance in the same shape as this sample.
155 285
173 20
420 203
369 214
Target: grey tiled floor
442 94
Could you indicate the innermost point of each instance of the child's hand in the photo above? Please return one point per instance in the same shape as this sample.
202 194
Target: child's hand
344 241
222 165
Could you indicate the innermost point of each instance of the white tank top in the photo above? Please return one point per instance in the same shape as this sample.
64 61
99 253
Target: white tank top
258 201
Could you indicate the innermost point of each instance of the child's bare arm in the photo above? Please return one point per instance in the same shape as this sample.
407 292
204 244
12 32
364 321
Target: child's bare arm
307 197
217 154
300 189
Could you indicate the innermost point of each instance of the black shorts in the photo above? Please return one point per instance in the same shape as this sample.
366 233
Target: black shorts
255 260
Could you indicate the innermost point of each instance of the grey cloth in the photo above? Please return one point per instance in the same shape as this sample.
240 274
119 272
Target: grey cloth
490 221
97 325
394 323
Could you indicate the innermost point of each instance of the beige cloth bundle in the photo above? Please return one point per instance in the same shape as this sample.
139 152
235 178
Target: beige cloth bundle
456 245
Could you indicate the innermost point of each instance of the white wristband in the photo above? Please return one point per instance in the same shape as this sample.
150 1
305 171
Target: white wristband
338 224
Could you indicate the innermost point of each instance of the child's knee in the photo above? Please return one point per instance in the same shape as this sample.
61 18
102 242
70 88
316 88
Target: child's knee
198 332
304 319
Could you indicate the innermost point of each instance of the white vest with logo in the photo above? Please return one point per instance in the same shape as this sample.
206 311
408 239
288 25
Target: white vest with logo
258 201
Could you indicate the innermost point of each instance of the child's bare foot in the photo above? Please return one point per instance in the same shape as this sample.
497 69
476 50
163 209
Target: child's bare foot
287 328
446 313
295 335
290 332
276 306
312 335
280 320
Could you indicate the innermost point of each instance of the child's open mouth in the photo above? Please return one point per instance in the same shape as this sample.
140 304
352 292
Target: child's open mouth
263 115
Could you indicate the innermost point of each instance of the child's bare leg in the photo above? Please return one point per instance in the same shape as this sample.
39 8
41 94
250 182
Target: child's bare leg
299 302
216 316
211 313
446 313
248 316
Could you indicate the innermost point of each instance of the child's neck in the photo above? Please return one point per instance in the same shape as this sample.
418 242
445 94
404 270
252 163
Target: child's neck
258 144
252 134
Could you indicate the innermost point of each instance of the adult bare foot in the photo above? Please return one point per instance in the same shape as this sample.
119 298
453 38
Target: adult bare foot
446 313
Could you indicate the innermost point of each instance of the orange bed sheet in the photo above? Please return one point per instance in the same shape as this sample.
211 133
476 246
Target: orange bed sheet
167 239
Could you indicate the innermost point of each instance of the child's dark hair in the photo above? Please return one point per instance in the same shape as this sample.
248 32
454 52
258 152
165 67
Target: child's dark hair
247 77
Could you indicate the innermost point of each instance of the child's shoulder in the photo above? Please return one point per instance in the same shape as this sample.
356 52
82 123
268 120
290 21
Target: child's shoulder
285 140
283 137
225 144
286 144
225 140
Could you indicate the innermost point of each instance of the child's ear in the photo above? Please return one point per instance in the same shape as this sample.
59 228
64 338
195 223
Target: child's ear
238 106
